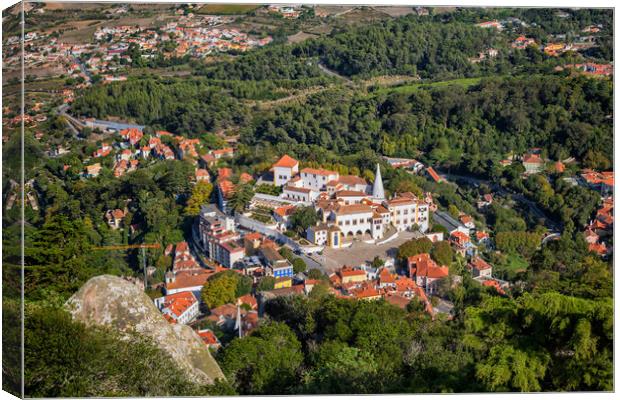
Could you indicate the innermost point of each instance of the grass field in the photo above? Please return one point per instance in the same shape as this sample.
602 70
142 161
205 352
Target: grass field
227 9
513 265
465 82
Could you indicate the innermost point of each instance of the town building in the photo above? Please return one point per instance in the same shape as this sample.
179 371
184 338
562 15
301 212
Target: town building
179 308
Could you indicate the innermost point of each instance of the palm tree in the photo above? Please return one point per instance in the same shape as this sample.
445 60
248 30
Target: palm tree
241 197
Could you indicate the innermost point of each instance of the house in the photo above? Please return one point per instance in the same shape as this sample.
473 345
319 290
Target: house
522 42
186 281
405 163
386 279
483 238
284 170
209 338
426 272
495 24
277 266
115 218
486 201
462 243
282 215
225 190
202 175
180 307
479 267
92 171
317 179
430 171
467 221
324 235
226 316
249 300
349 275
532 163
183 259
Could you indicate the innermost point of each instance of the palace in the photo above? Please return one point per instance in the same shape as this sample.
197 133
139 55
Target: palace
347 205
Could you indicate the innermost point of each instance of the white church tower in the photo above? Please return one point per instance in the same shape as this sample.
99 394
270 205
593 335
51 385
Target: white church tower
377 186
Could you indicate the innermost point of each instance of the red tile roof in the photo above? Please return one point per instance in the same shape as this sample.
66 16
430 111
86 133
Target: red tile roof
179 303
189 279
532 159
286 161
318 171
431 171
423 265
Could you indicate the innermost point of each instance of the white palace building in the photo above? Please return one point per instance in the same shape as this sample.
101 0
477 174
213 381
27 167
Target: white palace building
347 205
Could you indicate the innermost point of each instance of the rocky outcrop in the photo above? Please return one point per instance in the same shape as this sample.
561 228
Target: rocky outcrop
112 301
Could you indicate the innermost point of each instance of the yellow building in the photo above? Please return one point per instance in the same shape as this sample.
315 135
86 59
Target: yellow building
283 283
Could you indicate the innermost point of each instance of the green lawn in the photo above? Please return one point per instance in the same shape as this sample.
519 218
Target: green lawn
466 82
227 9
513 265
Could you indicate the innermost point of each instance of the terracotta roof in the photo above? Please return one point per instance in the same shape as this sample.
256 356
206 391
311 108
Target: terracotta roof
401 201
249 300
598 248
253 236
285 210
226 187
479 264
460 236
189 279
532 159
386 277
466 219
353 209
366 292
286 162
318 171
179 303
423 265
495 284
351 180
346 271
481 235
208 337
245 177
224 173
397 300
433 174
297 189
350 193
202 172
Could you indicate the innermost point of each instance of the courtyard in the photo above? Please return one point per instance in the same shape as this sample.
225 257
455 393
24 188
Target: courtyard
360 252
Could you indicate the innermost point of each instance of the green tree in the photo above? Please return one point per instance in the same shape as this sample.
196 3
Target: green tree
201 193
241 197
266 283
266 362
442 253
299 265
414 247
303 217
219 291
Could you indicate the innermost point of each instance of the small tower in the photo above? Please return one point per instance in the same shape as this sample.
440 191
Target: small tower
377 186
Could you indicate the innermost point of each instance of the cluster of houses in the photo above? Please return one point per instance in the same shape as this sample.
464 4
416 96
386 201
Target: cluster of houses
135 147
556 45
196 36
600 230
